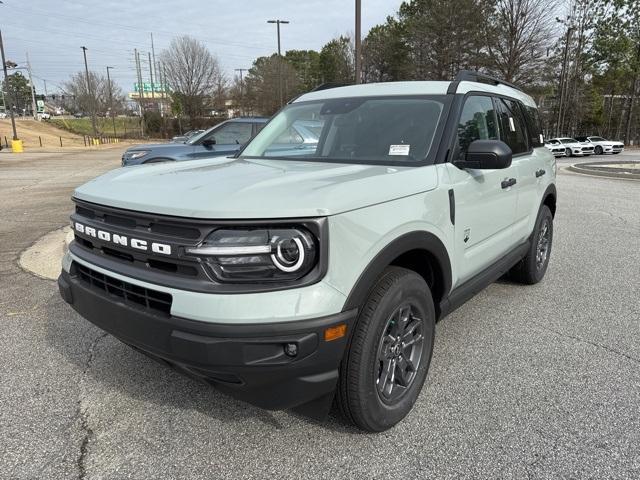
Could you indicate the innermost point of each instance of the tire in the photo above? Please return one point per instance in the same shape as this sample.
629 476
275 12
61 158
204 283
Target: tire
568 152
531 269
598 150
400 302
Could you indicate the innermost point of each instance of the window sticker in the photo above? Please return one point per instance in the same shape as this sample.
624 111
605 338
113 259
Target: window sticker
512 125
399 149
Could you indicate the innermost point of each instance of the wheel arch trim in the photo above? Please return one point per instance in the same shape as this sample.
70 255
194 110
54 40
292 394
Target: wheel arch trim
415 240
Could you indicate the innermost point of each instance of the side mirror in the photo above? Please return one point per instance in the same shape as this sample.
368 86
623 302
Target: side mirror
209 142
486 155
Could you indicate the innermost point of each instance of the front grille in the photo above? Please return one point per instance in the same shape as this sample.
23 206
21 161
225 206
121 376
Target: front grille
130 293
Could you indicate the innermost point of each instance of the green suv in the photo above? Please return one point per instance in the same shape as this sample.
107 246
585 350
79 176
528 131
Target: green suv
299 272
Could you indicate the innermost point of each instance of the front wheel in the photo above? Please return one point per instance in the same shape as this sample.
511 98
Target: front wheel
533 266
387 361
568 152
598 150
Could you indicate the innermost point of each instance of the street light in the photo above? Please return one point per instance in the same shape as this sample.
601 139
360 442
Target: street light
278 22
113 119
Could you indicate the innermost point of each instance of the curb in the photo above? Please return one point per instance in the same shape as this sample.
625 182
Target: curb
67 240
583 169
44 257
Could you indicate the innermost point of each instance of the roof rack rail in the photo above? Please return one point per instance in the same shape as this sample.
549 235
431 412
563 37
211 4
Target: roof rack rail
473 76
322 86
327 86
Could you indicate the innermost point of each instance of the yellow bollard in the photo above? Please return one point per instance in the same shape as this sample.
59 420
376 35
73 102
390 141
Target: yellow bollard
16 146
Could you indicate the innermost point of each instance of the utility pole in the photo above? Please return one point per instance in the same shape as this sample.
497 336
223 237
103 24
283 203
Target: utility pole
358 42
278 22
113 118
93 99
153 95
241 87
563 80
153 53
6 82
33 90
140 89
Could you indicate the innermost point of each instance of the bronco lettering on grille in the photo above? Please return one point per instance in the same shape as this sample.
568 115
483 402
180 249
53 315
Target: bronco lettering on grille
138 244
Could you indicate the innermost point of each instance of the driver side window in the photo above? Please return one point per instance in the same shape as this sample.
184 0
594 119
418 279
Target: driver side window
231 133
478 121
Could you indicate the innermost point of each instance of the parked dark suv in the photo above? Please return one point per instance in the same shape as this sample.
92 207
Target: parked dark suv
226 138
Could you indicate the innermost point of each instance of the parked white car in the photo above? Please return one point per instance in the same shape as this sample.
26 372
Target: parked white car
556 148
572 147
600 145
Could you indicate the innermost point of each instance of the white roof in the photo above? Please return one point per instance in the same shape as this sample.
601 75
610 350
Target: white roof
413 88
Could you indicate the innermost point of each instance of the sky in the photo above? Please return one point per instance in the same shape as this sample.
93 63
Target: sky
51 32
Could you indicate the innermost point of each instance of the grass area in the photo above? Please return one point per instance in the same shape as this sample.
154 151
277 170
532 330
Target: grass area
125 126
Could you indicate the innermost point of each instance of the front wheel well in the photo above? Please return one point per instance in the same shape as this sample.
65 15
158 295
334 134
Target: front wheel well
550 201
425 264
419 251
159 160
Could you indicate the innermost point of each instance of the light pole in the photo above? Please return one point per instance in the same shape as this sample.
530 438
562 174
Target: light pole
6 82
358 42
564 74
113 119
278 22
241 88
93 99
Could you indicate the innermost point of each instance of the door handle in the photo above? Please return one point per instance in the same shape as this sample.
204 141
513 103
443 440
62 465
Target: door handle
508 183
540 172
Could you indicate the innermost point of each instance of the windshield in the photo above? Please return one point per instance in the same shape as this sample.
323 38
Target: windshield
351 130
569 140
597 139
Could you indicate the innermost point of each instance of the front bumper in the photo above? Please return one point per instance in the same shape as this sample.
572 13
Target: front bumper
247 361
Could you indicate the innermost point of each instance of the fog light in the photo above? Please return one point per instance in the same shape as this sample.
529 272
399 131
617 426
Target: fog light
291 349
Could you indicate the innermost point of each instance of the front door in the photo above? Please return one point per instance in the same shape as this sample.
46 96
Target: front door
485 206
229 137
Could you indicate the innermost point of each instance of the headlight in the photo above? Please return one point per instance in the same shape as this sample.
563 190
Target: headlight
259 255
137 154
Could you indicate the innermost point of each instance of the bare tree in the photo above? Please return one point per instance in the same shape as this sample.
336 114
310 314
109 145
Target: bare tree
76 86
193 72
521 31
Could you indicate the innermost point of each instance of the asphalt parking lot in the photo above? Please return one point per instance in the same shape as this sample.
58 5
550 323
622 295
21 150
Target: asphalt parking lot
538 382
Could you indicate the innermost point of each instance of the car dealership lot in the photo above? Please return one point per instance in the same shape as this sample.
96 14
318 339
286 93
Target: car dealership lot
540 381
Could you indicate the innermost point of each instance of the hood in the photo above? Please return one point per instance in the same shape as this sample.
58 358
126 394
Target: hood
152 146
224 188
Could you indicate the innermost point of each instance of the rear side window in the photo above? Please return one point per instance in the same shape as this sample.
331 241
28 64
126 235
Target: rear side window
512 130
532 118
478 121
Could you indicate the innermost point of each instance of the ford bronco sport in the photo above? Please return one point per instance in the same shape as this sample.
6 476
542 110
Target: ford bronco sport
301 272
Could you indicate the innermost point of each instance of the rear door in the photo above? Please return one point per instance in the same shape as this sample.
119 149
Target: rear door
514 132
485 211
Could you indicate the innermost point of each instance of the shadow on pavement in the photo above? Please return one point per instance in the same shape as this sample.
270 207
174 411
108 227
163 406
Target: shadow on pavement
114 366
